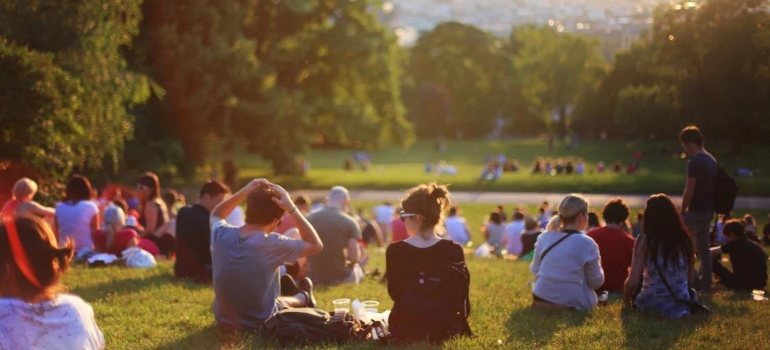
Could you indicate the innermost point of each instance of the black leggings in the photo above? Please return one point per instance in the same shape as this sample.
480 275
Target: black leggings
166 244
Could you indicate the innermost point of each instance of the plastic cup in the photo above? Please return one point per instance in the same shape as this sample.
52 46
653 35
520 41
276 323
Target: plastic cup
341 305
371 306
758 295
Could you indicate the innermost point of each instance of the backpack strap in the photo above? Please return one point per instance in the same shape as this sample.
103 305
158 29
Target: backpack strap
555 244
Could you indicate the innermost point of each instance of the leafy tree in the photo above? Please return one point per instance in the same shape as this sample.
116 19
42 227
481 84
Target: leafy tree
74 48
459 75
555 70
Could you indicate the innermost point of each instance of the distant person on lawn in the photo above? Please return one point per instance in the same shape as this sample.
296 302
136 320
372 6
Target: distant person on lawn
664 251
748 259
513 233
529 238
340 234
33 313
566 264
246 259
193 233
457 227
494 232
383 213
698 199
616 246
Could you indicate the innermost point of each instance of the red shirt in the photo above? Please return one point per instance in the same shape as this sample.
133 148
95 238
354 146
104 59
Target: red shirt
398 228
616 247
120 242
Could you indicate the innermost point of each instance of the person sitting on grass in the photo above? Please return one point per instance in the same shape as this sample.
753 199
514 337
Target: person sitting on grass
663 260
115 236
22 204
566 264
751 227
512 238
748 259
456 226
494 233
636 229
193 234
245 260
415 318
593 221
529 238
340 234
33 312
616 247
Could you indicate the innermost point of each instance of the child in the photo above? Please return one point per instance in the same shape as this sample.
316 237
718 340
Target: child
748 259
751 227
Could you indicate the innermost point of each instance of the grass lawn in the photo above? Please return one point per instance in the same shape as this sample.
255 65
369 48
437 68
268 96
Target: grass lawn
139 309
396 168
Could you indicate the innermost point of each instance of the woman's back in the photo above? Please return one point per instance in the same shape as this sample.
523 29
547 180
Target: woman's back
66 322
74 220
570 272
455 229
496 234
654 295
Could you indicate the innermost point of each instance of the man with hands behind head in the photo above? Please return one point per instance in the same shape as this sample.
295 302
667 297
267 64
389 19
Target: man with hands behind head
245 260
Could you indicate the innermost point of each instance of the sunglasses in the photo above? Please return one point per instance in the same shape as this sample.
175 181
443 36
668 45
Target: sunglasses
405 215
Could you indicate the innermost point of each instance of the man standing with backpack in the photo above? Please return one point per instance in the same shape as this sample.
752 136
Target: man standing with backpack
699 199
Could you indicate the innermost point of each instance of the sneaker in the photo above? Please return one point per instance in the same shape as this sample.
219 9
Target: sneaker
306 285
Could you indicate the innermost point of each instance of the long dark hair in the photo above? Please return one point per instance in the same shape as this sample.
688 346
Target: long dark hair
667 237
78 189
150 180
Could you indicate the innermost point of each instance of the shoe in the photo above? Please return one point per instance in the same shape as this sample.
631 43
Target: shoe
288 286
306 285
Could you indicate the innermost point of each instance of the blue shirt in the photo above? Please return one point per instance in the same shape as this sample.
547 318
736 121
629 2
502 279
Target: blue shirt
703 167
245 271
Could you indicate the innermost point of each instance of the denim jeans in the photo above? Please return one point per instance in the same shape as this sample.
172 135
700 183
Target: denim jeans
699 225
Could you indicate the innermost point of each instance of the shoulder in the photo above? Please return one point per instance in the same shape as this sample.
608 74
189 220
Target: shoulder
396 248
73 302
450 246
281 240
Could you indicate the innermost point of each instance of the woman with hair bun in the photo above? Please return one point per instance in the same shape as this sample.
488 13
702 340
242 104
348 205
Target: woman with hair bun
566 264
33 312
409 266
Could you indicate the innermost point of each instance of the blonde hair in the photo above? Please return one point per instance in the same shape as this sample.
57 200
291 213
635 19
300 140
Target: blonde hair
23 188
114 220
569 209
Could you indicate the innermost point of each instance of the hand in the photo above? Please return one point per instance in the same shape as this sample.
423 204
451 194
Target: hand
257 183
283 200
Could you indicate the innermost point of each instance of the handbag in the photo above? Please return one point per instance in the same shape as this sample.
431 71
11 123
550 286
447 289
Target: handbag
695 304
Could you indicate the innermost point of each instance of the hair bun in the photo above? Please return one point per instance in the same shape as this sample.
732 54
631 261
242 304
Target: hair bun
438 191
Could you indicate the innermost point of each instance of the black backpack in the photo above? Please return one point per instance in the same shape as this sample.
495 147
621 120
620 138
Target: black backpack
725 192
434 306
314 326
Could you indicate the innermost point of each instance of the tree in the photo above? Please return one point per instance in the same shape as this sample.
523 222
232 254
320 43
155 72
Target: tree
276 75
459 75
75 80
555 71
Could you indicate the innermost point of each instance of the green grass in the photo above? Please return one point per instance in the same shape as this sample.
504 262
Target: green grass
396 168
138 309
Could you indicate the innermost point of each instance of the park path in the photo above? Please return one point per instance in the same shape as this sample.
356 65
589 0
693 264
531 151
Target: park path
508 198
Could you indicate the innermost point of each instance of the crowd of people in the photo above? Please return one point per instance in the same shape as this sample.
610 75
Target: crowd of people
270 256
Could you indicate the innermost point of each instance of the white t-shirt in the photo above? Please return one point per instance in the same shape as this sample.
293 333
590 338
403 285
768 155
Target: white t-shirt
455 229
237 218
66 322
513 237
383 213
75 223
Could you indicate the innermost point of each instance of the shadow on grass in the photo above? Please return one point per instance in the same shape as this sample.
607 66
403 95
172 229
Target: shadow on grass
648 331
537 326
133 285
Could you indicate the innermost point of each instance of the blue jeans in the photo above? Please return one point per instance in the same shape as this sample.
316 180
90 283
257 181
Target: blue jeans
699 225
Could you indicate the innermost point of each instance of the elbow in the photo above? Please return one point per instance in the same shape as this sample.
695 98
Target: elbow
317 248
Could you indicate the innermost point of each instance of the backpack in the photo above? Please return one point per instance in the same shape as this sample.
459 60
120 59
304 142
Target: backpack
314 326
725 192
434 306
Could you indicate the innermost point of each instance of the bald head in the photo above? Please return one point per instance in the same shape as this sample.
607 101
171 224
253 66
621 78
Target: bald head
339 197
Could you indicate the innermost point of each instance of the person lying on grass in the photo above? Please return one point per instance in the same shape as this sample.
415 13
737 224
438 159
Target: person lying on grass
33 313
748 259
663 264
246 259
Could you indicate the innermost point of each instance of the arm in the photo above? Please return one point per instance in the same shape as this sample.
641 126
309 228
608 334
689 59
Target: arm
594 273
313 244
716 250
151 218
39 210
392 273
637 268
689 190
354 255
223 210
